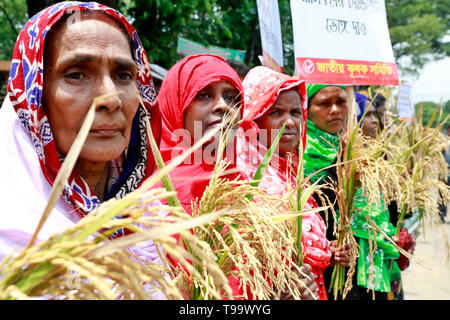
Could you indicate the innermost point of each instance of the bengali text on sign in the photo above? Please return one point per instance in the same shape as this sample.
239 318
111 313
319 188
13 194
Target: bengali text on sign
343 42
347 71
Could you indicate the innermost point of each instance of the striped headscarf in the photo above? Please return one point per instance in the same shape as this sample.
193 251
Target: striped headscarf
25 90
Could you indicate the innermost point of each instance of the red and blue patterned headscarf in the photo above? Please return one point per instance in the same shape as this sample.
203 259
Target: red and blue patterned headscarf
25 85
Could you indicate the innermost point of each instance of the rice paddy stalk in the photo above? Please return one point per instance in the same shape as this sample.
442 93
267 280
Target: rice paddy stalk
165 179
302 198
68 164
345 194
42 269
252 243
267 157
418 154
402 166
167 183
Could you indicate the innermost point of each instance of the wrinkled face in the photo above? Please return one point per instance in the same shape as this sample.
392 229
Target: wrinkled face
86 59
328 109
208 109
369 123
287 109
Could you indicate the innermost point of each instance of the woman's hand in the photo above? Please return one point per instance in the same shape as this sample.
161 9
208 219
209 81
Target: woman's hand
307 285
341 255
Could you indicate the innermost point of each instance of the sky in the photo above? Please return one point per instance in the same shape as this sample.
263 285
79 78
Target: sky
433 82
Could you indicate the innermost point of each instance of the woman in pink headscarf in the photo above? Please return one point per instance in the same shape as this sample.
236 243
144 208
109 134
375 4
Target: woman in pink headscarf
272 99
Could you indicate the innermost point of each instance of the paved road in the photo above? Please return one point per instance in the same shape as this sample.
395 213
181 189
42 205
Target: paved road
431 282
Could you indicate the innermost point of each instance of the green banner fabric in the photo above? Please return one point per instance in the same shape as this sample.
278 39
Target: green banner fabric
187 47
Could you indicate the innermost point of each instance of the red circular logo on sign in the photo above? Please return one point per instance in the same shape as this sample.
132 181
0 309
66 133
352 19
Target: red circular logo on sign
308 66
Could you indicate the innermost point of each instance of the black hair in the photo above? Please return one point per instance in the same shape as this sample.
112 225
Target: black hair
378 100
241 68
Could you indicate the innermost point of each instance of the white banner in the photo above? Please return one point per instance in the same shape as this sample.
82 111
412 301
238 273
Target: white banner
271 41
351 35
405 108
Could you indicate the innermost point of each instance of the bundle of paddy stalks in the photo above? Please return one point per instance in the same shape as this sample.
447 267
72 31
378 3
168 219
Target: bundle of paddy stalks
401 165
379 178
236 230
345 189
299 193
87 261
417 150
253 242
364 171
84 262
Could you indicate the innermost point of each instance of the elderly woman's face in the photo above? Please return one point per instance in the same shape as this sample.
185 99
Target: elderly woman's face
287 109
87 59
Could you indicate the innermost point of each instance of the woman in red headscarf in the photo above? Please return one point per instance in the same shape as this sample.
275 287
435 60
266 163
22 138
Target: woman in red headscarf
272 99
194 97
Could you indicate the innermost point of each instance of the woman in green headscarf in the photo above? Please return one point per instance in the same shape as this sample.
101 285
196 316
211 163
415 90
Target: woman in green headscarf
327 116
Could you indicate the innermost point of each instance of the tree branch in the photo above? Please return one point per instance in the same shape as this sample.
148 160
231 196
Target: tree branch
9 20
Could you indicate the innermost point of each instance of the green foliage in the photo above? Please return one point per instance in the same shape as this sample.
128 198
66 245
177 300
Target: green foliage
428 108
225 23
417 29
160 22
13 15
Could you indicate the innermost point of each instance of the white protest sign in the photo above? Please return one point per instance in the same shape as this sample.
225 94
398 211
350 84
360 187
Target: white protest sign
271 41
343 42
404 104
